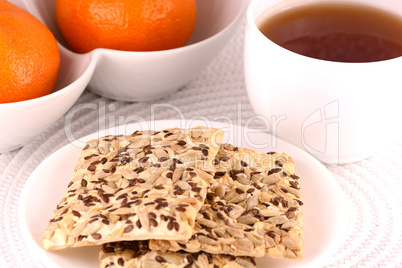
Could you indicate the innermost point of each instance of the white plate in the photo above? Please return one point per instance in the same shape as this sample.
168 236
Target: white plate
325 213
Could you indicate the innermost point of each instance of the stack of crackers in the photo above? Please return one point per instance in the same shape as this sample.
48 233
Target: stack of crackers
179 198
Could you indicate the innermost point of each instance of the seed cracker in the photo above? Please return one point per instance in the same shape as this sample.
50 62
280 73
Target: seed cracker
137 254
135 187
253 208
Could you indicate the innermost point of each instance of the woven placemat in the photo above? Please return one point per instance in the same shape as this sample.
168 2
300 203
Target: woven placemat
374 237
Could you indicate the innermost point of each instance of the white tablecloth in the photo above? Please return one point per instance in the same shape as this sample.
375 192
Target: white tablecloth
372 186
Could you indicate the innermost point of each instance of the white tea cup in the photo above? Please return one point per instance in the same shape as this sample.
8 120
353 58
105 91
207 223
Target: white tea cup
338 112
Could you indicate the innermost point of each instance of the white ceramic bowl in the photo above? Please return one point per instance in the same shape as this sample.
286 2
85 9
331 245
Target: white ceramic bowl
22 121
120 75
141 76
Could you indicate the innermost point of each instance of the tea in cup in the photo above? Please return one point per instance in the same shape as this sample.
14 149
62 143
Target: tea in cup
325 73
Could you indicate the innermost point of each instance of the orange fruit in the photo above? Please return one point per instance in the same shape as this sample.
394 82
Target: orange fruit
131 25
29 56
